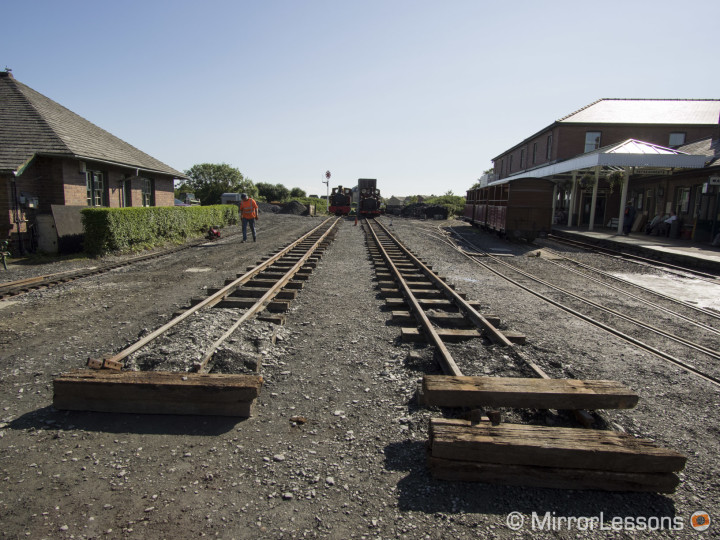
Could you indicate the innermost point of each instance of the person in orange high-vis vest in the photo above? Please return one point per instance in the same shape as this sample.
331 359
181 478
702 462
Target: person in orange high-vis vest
248 213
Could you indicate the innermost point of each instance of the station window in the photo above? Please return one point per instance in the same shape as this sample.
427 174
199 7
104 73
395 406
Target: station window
95 184
534 153
683 200
548 151
676 139
148 192
510 164
522 159
592 140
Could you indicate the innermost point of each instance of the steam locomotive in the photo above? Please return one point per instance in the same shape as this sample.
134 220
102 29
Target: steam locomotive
340 201
368 198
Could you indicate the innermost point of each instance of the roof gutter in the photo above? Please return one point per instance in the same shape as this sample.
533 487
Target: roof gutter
137 169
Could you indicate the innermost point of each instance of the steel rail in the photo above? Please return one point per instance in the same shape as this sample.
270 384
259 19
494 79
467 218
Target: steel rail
642 288
267 297
14 288
635 297
698 347
669 358
471 313
115 361
635 258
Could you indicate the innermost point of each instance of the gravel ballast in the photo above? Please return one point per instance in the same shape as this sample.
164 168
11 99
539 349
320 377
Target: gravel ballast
336 448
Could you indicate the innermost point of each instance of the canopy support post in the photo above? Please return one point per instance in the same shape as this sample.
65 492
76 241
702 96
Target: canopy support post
594 198
623 199
571 210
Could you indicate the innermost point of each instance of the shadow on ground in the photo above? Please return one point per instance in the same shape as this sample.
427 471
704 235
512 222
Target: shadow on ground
419 491
50 419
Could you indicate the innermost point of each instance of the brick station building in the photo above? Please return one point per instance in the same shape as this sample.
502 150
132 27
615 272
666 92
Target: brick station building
649 142
53 163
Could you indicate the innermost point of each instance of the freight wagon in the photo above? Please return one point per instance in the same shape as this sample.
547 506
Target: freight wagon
518 209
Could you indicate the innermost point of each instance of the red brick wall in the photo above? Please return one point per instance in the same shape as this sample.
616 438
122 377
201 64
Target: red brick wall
164 191
572 137
74 184
569 141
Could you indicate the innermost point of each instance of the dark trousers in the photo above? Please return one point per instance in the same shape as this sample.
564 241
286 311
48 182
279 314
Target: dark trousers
245 222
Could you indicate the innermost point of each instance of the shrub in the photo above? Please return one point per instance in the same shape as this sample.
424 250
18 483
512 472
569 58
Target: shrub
131 229
320 204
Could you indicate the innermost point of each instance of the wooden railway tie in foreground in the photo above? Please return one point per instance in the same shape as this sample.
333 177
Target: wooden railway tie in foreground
521 393
550 457
152 392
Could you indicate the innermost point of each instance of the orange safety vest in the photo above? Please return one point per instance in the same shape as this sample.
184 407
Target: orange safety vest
248 209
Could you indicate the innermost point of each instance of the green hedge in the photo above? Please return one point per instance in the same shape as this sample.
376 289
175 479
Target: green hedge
131 229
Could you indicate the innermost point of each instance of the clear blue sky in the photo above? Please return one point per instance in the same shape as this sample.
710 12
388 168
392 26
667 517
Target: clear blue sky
418 94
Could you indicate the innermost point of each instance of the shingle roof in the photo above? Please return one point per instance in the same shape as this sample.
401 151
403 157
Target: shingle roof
648 111
708 147
31 124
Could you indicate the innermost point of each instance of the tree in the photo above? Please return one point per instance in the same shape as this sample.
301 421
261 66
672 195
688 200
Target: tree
272 192
297 192
210 180
454 203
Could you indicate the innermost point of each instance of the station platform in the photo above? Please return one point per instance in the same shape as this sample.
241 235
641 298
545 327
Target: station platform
701 256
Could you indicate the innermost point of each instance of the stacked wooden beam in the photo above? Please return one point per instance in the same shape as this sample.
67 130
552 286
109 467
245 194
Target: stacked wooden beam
551 457
151 392
540 456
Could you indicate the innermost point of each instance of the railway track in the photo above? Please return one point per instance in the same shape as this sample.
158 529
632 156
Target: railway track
671 348
675 268
14 288
442 314
265 288
482 448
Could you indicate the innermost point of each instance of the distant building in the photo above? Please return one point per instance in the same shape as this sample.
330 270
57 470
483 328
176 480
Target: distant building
664 122
660 155
394 205
50 157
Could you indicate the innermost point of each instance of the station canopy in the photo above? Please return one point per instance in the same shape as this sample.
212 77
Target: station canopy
638 156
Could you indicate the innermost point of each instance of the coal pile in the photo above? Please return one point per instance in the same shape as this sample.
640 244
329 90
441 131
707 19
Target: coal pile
424 211
269 207
295 208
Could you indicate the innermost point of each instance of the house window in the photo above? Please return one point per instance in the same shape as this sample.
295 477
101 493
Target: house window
548 152
95 185
534 153
676 139
522 159
148 192
510 164
592 140
126 194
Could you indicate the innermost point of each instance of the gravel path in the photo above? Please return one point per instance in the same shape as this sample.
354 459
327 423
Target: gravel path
337 446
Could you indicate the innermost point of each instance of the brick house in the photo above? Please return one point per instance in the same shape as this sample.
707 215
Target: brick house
662 153
54 163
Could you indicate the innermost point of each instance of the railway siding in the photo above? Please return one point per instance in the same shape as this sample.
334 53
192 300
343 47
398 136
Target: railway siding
478 449
194 393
